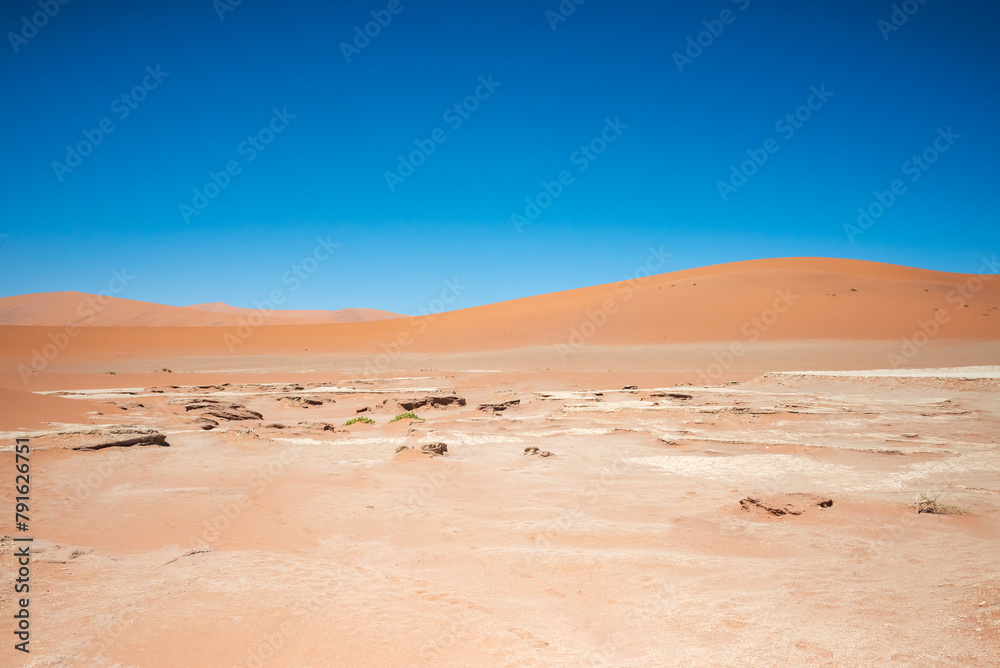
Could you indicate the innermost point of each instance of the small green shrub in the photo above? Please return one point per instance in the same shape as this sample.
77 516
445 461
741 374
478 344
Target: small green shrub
362 419
409 415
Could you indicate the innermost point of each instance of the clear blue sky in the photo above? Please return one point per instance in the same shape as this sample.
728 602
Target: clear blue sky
324 173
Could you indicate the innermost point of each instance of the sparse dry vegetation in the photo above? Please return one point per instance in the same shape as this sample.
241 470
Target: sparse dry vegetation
933 505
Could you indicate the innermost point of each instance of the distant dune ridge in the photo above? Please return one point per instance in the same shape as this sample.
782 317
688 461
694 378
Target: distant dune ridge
787 299
307 316
57 309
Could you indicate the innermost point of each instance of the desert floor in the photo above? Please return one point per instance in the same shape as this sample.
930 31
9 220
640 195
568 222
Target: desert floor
256 544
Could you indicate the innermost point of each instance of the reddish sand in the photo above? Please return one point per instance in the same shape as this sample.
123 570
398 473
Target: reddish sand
293 539
293 317
766 300
58 309
254 545
28 411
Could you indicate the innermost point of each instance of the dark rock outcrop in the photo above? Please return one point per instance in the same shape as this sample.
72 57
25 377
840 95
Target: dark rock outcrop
673 395
785 504
206 423
124 436
223 411
301 402
433 402
498 408
434 448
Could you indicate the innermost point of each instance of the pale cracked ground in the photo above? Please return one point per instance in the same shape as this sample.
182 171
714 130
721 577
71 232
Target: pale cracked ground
253 545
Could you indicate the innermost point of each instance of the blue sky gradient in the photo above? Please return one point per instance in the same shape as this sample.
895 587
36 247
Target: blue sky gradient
323 175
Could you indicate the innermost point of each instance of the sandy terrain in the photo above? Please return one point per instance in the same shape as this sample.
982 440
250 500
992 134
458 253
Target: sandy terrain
740 304
292 317
690 503
59 309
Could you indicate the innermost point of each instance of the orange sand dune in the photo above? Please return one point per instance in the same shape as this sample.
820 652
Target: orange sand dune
304 539
767 300
57 309
305 316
